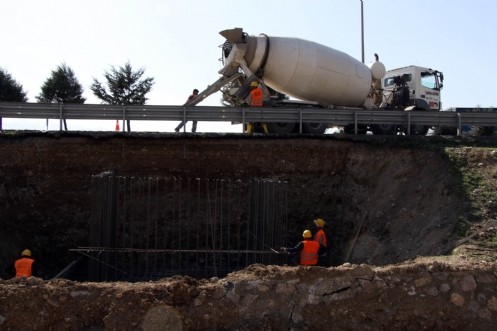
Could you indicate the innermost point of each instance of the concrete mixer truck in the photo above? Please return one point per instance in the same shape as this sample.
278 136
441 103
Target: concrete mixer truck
299 73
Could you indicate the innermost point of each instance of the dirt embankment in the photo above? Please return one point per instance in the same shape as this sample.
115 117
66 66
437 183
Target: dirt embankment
385 203
429 294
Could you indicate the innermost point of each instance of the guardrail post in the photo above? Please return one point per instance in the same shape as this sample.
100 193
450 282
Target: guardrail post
243 120
355 122
60 117
459 126
300 121
125 122
184 119
408 123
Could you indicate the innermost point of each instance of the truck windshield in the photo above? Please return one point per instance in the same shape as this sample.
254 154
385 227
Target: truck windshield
429 80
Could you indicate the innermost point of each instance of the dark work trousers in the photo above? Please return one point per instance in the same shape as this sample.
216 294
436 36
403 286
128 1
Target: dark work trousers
182 123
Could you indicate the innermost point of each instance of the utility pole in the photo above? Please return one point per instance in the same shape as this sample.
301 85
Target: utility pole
362 30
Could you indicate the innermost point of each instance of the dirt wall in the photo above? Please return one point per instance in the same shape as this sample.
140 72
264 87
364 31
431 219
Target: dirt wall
383 204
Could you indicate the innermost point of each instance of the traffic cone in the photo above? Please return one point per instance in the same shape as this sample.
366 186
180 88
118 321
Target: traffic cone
117 126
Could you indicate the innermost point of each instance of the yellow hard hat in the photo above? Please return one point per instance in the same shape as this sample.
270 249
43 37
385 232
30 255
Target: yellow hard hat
26 252
254 84
319 222
307 234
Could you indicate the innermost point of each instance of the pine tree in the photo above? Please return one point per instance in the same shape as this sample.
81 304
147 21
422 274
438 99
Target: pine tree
124 87
61 87
10 90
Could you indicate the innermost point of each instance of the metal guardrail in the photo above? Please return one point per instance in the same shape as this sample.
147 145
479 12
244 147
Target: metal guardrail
333 116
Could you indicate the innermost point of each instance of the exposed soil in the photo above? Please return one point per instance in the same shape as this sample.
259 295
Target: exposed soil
411 223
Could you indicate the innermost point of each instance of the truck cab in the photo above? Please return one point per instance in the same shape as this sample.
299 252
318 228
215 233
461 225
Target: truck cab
413 86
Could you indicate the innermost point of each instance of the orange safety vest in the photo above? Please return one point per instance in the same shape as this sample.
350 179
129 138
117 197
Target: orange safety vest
309 254
256 97
24 267
320 237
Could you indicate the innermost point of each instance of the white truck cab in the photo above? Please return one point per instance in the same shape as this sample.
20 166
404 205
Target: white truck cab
413 86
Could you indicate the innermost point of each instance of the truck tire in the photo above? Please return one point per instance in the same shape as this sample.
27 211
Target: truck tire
314 128
361 129
281 128
419 130
446 131
385 129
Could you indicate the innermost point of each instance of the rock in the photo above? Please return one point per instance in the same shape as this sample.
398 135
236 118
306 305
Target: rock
342 295
474 307
285 289
444 287
200 299
485 279
162 318
262 288
432 290
485 314
366 285
467 283
362 271
248 299
492 304
481 298
76 294
457 299
425 280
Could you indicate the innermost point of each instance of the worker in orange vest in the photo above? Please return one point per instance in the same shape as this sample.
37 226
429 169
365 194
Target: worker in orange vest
25 266
308 248
256 100
256 95
320 237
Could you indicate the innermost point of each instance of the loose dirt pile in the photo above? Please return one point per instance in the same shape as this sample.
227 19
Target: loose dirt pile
429 293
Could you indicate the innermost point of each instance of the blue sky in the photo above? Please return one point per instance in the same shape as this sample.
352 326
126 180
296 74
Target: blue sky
177 42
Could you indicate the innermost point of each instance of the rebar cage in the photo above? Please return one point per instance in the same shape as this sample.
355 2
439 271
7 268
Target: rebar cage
147 228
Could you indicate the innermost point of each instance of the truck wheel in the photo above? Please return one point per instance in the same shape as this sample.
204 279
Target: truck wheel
446 131
281 128
361 129
315 128
418 130
385 129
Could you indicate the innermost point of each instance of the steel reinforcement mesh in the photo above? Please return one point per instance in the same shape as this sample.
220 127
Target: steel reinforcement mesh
145 228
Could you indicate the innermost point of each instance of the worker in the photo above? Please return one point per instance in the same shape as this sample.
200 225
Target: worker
256 100
320 237
308 248
194 123
25 266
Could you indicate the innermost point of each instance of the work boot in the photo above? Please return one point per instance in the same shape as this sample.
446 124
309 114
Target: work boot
264 126
250 128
